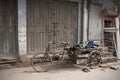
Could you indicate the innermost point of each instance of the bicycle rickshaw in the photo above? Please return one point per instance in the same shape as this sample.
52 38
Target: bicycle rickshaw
42 61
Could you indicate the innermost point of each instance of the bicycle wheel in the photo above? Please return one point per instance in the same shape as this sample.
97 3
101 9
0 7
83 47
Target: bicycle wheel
41 62
94 58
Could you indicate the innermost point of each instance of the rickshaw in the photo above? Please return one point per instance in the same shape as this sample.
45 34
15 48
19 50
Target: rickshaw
43 61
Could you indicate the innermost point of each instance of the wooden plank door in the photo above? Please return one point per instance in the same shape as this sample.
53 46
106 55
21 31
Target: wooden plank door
8 26
1 29
54 21
37 25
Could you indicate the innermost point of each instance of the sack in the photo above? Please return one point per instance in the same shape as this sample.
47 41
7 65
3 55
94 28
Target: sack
90 44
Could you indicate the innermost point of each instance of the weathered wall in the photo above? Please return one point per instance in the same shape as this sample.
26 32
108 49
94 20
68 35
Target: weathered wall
22 31
22 22
95 19
95 23
108 4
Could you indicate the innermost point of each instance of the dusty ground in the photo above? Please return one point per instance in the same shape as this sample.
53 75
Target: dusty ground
61 72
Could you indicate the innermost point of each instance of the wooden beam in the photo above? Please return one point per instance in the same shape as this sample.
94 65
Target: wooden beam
112 29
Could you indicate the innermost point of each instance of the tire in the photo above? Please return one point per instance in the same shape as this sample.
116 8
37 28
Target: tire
41 62
94 58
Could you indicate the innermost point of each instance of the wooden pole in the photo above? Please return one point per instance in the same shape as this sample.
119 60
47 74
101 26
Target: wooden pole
117 36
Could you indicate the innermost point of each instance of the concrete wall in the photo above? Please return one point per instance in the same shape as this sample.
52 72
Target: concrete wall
22 27
85 21
107 4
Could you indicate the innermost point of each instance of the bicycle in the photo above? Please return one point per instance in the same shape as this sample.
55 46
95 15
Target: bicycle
41 62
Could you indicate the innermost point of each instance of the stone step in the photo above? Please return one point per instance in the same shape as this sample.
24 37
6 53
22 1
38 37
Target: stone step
83 61
8 59
104 48
106 54
108 59
103 54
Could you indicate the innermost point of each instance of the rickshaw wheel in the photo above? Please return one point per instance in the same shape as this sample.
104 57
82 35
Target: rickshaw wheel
94 58
41 62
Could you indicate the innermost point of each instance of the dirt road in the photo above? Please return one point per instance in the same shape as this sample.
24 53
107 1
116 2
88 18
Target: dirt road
69 72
